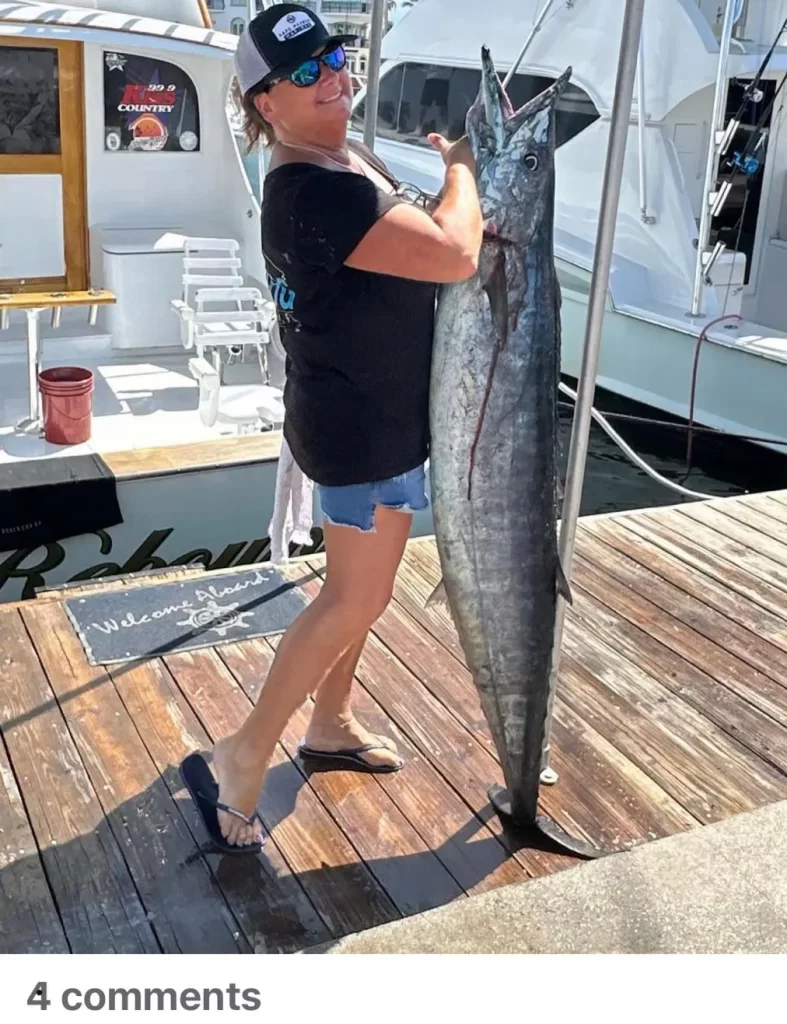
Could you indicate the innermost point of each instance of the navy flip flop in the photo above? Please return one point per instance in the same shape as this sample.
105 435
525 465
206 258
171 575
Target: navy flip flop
204 792
347 760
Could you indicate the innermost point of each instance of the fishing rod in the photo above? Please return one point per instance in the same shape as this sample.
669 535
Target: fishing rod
750 92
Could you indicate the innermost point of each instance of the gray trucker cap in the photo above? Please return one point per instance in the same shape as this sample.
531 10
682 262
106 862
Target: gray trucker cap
278 40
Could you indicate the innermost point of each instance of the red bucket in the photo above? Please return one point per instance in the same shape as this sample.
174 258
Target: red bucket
67 404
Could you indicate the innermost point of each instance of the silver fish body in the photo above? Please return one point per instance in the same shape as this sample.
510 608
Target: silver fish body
494 421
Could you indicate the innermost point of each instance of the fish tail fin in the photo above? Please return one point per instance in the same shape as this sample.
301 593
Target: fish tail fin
562 585
438 596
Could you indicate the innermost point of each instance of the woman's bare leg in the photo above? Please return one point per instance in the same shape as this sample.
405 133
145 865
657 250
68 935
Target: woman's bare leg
333 726
361 568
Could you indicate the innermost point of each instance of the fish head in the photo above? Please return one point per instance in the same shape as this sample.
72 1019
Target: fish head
515 155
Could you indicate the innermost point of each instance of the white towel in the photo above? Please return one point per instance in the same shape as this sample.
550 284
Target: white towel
293 507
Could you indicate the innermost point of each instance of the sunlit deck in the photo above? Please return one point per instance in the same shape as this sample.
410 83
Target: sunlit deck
672 713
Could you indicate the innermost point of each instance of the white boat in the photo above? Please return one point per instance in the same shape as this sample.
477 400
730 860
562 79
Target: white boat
116 157
666 289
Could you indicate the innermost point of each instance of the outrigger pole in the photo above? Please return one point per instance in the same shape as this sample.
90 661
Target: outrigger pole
605 239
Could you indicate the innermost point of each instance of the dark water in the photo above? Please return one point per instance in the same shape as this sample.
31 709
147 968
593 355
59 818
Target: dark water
720 467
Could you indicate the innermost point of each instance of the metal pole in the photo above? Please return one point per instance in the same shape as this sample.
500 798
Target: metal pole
602 260
539 21
379 9
712 161
643 185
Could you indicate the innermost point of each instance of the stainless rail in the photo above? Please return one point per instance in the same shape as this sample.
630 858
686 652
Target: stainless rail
602 261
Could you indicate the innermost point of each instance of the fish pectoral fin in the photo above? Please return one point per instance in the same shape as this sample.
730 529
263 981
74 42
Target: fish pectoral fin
438 596
562 584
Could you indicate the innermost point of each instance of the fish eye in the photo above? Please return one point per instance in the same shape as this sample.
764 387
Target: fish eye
531 161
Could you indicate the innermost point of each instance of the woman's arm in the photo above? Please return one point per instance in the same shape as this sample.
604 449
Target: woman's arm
442 248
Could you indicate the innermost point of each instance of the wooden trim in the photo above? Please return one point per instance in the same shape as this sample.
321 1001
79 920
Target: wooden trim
30 163
70 164
203 455
32 284
72 132
49 300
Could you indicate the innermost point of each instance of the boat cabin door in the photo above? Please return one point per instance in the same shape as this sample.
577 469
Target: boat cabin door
43 232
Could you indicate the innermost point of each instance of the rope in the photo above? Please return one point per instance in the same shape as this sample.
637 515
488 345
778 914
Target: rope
651 421
628 451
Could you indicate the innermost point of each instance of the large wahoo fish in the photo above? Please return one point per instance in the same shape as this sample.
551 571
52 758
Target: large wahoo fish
494 422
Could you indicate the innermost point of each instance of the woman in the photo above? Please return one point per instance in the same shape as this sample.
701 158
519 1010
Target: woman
353 270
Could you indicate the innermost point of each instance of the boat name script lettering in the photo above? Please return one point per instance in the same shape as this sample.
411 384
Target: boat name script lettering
33 566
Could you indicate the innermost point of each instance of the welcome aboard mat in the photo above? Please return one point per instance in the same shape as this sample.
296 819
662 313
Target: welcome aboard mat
143 622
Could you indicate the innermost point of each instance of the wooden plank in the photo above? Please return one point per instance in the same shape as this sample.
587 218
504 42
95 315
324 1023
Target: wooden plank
49 300
695 762
29 922
748 614
393 849
780 500
703 619
755 540
733 711
188 912
450 748
459 756
660 535
758 566
626 802
601 793
107 584
423 796
693 648
468 848
748 514
326 864
208 455
97 901
268 901
412 590
769 505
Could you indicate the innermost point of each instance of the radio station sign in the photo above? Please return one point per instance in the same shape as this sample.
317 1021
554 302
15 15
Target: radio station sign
150 106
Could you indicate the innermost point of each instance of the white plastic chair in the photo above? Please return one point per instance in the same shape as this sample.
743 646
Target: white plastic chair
220 316
248 407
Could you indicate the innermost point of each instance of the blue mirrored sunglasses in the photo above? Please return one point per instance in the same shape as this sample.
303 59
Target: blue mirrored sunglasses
308 73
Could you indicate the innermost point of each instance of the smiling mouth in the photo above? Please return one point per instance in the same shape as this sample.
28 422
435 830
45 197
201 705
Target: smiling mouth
333 97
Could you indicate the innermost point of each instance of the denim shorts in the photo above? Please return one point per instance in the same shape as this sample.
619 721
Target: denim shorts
355 504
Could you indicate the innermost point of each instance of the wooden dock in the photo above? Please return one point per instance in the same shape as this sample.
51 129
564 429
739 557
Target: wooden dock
672 713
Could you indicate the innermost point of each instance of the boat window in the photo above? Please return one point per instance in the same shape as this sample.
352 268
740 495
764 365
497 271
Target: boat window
29 101
150 106
237 26
416 99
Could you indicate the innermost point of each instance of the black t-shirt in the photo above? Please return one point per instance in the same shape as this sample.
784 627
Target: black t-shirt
358 344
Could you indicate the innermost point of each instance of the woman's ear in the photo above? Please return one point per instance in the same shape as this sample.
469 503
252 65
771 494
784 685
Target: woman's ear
262 102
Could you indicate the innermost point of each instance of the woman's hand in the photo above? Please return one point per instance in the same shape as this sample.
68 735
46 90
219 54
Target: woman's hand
459 152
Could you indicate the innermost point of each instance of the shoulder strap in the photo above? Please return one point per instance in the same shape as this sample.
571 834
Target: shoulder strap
371 158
